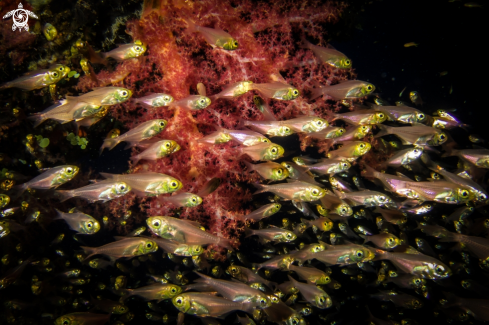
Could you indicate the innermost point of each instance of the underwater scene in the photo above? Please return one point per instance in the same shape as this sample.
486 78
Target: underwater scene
243 162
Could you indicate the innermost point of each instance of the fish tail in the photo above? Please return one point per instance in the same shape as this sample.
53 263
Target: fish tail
384 130
449 150
260 188
127 294
135 159
339 194
88 250
249 165
37 118
369 172
380 254
316 92
109 143
226 243
65 195
21 188
305 44
249 232
191 26
306 222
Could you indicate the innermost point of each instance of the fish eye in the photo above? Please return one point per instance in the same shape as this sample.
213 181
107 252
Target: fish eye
345 165
415 150
69 170
173 290
274 150
442 136
138 48
417 281
162 124
381 115
295 321
55 74
348 62
66 322
319 122
286 129
173 184
167 144
440 269
156 223
149 245
360 254
315 192
343 210
202 100
263 302
341 130
295 92
122 187
421 116
382 198
124 93
89 224
235 43
193 199
362 145
279 171
465 193
179 301
369 87
198 249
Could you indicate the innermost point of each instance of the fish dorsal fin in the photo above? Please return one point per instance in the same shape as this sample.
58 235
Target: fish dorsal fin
329 46
193 223
118 238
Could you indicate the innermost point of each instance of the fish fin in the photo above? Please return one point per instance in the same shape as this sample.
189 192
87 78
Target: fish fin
191 26
135 159
108 175
89 250
249 165
404 177
316 92
249 232
130 144
37 119
260 188
369 172
339 194
109 143
384 130
65 195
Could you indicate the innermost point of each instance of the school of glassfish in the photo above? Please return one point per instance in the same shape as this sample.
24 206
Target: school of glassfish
382 222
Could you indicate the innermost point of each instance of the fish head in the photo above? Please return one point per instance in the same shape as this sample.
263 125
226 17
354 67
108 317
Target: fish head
261 300
299 161
182 303
344 165
121 188
90 227
417 282
138 49
65 320
264 140
231 44
65 174
326 225
420 117
438 271
367 89
414 303
4 200
313 193
223 137
274 151
195 250
363 130
321 210
272 210
234 271
160 227
391 241
58 72
193 201
344 63
119 309
279 173
169 186
200 102
361 149
120 95
169 291
288 236
380 117
291 94
274 299
344 210
316 125
462 195
146 247
289 168
323 301
323 279
168 147
163 100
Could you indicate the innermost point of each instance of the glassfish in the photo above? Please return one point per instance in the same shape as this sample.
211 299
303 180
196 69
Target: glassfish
147 183
234 90
418 135
293 190
101 191
103 96
478 157
126 51
329 166
83 318
38 79
264 108
344 254
307 124
188 200
271 128
328 55
263 151
143 131
273 234
313 294
79 222
311 274
362 117
276 90
51 178
269 170
402 114
155 100
404 157
349 89
155 291
157 150
351 150
123 247
207 305
214 37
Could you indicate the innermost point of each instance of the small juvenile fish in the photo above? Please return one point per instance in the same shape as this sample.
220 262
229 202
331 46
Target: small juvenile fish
155 291
272 128
123 247
4 200
307 124
316 296
353 134
273 234
362 117
143 131
349 89
207 305
411 44
444 123
246 275
276 90
404 157
214 37
383 240
418 135
328 55
101 191
64 112
269 170
192 103
402 114
400 299
51 178
38 79
184 231
148 183
155 100
263 212
329 166
157 150
263 151
178 249
83 318
477 191
334 205
102 96
415 97
293 190
421 265
234 90
311 275
264 108
351 150
188 200
126 51
367 198
344 254
331 132
79 222
322 223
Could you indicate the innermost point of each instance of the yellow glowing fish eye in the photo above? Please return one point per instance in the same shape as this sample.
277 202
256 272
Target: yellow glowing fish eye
167 145
193 199
465 193
149 245
122 187
69 170
345 165
362 146
288 235
173 290
319 123
138 48
321 300
343 210
173 184
179 301
417 281
234 269
440 269
198 249
279 171
287 129
381 115
369 87
166 98
124 93
347 62
277 206
235 43
162 124
364 127
360 254
55 74
274 150
202 101
315 192
341 130
390 240
288 166
421 116
295 92
156 223
89 224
